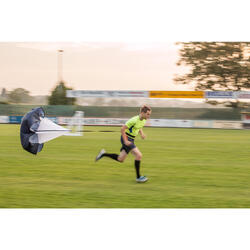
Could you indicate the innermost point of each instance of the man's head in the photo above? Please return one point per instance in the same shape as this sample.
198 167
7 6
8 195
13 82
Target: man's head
145 112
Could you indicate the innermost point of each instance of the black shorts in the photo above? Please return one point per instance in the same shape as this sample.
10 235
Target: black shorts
127 148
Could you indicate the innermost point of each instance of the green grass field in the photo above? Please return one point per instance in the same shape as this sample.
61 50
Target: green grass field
187 168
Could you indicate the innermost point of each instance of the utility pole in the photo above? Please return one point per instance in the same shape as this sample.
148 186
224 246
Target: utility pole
60 65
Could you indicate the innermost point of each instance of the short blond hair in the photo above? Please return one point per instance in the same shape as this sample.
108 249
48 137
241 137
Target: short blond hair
145 108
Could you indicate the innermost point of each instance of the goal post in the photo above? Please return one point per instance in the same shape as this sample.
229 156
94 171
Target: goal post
76 124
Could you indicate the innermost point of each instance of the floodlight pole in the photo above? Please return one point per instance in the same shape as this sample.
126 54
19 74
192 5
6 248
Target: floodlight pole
60 64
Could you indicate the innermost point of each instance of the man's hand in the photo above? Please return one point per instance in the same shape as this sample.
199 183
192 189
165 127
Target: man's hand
128 143
142 134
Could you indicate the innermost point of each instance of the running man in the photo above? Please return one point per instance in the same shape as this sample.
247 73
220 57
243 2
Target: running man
128 133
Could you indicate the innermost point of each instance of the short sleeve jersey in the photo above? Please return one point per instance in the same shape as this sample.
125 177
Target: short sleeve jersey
134 125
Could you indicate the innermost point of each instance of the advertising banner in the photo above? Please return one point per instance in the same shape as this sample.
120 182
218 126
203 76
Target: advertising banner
104 121
171 123
4 119
15 119
220 94
176 94
93 121
227 124
202 124
242 94
114 94
245 117
159 94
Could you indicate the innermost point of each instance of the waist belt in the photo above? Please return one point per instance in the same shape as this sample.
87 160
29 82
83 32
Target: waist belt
130 135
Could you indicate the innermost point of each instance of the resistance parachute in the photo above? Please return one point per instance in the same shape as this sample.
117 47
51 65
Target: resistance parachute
36 129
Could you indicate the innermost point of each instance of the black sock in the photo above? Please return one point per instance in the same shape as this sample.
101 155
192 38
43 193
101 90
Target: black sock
137 168
112 156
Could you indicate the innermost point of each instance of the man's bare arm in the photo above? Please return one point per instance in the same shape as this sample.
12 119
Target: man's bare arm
143 136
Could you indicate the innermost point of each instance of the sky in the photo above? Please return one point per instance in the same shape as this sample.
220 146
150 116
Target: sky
90 66
108 45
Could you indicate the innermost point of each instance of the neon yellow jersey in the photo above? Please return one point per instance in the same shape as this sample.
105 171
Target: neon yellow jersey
134 125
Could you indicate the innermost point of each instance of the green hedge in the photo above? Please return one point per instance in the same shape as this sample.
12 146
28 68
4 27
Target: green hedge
126 112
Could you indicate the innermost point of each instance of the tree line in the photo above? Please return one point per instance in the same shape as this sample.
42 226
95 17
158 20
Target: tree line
216 66
21 95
